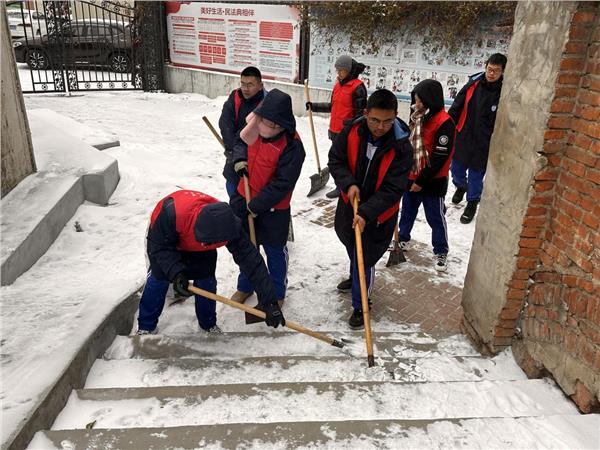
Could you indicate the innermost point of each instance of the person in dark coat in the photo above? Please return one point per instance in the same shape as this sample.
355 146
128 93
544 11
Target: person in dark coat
186 228
270 152
348 99
474 112
370 160
432 138
240 103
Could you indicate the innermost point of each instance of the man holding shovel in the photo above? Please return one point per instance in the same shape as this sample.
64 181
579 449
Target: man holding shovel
269 152
186 228
240 103
370 160
348 99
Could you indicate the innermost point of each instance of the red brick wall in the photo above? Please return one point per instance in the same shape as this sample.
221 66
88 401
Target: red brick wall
554 295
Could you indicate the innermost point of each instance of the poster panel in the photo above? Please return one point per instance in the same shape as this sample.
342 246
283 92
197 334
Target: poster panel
401 65
227 37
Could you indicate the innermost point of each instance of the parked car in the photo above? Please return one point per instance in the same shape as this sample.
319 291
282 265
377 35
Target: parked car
91 43
25 22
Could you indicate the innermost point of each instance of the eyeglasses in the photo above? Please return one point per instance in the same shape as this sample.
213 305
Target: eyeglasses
380 123
247 85
493 70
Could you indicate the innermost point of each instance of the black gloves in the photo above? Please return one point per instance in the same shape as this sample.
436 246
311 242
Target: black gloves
180 285
309 106
241 168
274 315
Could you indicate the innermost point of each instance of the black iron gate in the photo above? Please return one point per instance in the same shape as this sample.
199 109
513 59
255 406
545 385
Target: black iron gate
64 46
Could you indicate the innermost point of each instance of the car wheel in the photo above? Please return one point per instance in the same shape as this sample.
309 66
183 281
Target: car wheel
37 59
119 62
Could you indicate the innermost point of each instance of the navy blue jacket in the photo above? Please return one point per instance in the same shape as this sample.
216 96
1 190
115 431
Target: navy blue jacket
230 127
376 237
473 141
272 225
166 261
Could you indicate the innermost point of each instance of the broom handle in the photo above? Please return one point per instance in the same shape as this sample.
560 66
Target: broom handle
363 287
246 184
312 126
262 315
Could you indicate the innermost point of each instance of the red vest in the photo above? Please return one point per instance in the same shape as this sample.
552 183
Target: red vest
237 101
463 114
188 205
386 162
263 158
341 104
428 132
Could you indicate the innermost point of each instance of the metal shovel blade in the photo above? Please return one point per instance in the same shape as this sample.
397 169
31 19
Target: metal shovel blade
318 181
396 256
251 318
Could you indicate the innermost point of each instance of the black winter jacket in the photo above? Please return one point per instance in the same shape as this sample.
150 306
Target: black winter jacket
230 127
473 141
376 237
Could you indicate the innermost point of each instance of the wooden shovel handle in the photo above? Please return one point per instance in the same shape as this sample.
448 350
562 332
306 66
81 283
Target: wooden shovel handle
312 126
262 315
363 288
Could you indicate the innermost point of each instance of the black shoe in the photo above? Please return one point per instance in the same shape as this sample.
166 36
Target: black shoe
345 286
459 195
469 212
333 194
356 320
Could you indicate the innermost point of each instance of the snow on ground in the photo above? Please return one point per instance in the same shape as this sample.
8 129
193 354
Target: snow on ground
50 310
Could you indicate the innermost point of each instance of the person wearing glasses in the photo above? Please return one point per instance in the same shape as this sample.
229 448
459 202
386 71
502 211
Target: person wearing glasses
348 99
270 153
432 137
474 112
370 160
240 103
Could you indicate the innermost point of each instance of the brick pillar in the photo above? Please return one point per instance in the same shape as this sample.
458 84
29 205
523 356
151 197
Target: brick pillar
549 306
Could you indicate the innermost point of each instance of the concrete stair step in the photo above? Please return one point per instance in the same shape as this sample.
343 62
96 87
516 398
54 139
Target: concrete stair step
204 371
295 402
236 345
553 431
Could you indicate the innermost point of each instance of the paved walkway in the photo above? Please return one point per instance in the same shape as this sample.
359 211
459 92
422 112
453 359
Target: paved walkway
406 293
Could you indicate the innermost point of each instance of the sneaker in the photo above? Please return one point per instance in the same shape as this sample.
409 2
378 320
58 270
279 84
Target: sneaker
459 195
145 332
469 212
441 263
404 246
345 286
213 330
241 297
356 320
333 194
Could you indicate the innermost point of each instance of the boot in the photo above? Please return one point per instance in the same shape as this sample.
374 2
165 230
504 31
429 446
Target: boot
241 297
356 320
469 212
459 195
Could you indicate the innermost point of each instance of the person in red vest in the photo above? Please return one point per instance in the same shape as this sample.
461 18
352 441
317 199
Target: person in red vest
474 112
186 228
348 99
240 103
370 160
270 152
432 136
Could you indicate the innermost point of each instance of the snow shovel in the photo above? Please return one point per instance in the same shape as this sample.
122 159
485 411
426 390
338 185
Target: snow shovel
396 253
259 313
363 288
246 184
320 179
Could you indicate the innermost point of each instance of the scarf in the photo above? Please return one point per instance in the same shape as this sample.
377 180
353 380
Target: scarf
420 156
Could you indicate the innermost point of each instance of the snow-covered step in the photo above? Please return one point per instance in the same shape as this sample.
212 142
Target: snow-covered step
282 343
297 402
549 432
203 371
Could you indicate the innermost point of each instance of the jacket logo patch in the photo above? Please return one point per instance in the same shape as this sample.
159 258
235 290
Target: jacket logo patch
443 139
494 108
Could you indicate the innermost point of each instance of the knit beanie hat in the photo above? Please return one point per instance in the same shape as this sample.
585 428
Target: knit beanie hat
344 62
